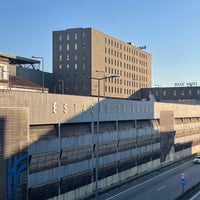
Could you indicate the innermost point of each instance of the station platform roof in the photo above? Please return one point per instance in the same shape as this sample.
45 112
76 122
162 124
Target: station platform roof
13 59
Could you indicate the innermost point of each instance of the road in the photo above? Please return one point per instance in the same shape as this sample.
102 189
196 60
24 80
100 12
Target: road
163 184
196 196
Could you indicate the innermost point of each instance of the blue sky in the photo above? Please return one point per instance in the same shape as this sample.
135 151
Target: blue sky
169 28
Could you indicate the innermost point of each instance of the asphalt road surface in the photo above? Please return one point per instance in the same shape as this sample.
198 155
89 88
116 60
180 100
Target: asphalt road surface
164 184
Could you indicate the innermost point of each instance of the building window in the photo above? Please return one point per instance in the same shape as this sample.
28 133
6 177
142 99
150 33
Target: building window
75 66
75 57
83 35
60 58
67 57
60 66
164 92
174 93
198 92
75 36
67 67
190 92
157 93
67 47
60 47
182 92
75 46
67 36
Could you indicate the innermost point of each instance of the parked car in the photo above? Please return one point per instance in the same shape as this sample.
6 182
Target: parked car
197 160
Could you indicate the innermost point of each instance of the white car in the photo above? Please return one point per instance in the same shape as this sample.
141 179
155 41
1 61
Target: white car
197 160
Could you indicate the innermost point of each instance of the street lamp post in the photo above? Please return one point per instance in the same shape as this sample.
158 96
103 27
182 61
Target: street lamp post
97 138
104 80
39 57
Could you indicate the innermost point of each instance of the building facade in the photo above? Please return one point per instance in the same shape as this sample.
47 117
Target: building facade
83 55
20 73
180 95
49 142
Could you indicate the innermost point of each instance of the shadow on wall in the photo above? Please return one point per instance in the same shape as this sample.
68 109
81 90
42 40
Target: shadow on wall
13 155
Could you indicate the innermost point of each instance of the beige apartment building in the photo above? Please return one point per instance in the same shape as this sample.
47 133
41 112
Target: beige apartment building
85 58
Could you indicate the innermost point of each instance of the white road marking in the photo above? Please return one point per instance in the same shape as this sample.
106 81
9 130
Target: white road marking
147 181
196 195
160 188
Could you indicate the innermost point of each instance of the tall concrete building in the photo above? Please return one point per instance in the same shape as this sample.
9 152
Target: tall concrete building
82 56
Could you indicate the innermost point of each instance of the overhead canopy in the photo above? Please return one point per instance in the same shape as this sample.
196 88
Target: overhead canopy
18 60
